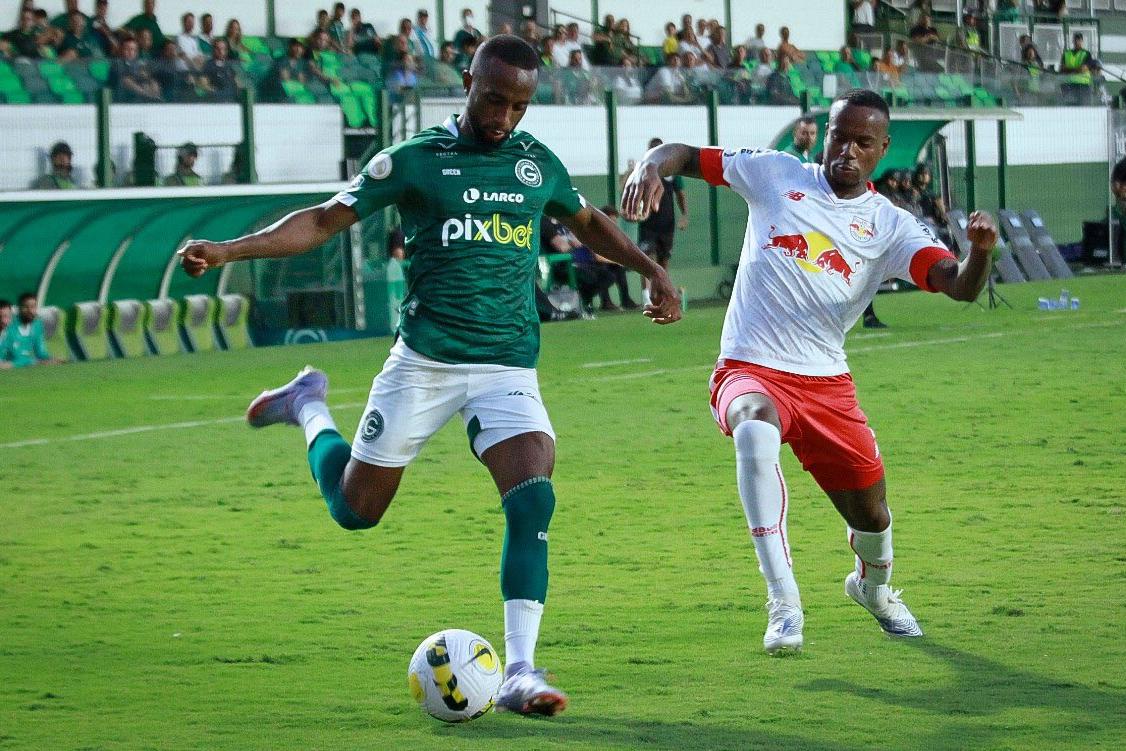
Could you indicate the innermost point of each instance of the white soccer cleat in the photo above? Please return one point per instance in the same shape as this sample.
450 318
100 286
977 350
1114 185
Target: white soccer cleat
884 604
528 692
281 405
783 628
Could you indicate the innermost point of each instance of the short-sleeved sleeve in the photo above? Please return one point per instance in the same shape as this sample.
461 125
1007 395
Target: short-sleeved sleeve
378 185
565 200
746 171
915 249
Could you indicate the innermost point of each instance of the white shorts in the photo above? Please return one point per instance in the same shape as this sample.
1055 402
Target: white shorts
414 396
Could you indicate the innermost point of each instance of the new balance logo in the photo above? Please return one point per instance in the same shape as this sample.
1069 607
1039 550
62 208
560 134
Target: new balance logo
794 195
765 531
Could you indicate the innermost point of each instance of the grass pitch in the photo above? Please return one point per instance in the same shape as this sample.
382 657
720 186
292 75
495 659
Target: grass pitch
171 580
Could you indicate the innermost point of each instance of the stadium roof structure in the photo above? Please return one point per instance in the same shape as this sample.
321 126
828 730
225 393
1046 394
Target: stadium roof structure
912 128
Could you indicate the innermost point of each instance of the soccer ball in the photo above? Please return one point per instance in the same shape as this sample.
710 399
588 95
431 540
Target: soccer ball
454 675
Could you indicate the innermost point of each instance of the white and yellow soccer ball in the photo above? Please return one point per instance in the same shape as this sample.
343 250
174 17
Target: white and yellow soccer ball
454 675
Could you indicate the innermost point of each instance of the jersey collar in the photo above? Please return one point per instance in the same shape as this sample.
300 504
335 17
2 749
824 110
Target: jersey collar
451 125
824 183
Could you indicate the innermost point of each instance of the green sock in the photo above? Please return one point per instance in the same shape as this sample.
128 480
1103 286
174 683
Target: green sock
328 456
523 563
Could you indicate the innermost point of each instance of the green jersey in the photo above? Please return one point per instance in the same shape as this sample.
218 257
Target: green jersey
803 156
23 345
471 216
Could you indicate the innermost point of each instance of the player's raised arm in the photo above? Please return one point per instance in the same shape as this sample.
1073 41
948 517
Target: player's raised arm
601 234
964 281
291 235
644 188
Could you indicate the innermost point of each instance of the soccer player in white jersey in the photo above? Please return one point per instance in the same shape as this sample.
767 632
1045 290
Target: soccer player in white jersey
819 242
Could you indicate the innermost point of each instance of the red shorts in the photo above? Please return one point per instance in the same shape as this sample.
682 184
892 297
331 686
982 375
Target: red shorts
821 420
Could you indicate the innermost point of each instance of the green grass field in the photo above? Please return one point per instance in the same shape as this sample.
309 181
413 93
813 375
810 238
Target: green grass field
172 580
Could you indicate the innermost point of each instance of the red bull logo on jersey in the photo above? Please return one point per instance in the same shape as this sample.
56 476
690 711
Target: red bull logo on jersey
814 253
490 230
861 229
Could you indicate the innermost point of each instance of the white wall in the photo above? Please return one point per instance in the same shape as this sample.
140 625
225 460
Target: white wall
315 130
1046 135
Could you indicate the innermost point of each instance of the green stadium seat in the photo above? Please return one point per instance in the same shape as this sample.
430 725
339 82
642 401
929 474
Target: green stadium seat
197 318
99 70
231 320
160 324
126 327
353 112
370 61
17 97
51 69
54 332
87 330
296 91
256 45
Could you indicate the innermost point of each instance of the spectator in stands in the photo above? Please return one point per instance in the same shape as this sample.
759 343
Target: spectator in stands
571 43
804 140
24 40
740 75
848 59
685 25
101 31
464 58
5 315
77 44
322 23
48 35
757 42
703 35
530 33
206 34
445 72
23 343
719 54
863 15
219 77
1075 63
185 176
788 49
578 83
146 19
560 54
763 70
600 41
170 74
1029 86
337 30
403 75
426 46
669 85
467 31
61 176
236 50
901 57
622 44
317 64
1118 186
778 88
888 68
235 175
671 44
1008 11
932 206
145 48
1057 8
62 21
404 40
1026 43
131 78
188 44
292 67
626 82
361 38
924 33
689 43
970 38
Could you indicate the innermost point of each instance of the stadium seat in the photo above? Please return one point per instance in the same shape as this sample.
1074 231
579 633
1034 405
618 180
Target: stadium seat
99 70
256 45
197 317
87 330
125 328
1047 247
54 332
231 316
161 327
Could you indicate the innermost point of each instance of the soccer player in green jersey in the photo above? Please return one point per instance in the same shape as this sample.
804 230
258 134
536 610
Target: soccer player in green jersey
471 193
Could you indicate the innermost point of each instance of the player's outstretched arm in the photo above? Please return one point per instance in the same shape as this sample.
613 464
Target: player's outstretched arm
964 281
291 235
644 188
601 234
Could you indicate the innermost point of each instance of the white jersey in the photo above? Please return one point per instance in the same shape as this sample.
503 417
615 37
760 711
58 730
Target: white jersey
811 261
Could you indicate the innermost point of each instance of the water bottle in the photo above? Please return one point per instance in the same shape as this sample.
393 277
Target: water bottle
1044 303
1065 299
1075 303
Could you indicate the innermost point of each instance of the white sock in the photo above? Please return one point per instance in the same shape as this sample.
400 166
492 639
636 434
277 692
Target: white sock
873 554
314 419
763 492
521 630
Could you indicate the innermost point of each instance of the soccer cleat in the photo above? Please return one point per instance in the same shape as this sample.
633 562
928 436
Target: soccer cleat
884 604
528 692
282 404
783 628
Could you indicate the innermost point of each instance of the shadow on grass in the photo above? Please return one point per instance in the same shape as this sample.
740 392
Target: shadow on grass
570 731
983 687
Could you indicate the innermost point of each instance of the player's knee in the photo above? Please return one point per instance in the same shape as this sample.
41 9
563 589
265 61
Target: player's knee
356 513
757 440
